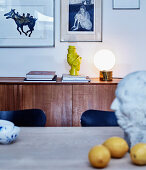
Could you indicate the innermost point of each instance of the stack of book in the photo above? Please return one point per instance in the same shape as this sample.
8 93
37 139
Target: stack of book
41 76
80 78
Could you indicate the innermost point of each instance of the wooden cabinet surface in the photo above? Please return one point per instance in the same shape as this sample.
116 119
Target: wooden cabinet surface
8 97
85 97
63 103
54 100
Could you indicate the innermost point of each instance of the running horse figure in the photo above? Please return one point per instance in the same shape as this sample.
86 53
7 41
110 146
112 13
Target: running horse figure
22 21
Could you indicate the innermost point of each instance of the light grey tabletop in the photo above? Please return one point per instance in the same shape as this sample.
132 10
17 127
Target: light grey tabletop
59 148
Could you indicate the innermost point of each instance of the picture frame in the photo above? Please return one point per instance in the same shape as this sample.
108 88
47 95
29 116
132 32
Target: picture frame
126 4
81 21
29 23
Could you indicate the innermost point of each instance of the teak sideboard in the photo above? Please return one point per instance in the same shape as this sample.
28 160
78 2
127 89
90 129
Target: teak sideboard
63 103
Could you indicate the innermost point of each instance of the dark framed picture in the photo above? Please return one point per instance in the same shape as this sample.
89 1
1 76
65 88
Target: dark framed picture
126 4
28 23
81 20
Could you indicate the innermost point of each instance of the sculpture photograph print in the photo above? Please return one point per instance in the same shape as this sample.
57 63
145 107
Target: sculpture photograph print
81 17
81 20
27 23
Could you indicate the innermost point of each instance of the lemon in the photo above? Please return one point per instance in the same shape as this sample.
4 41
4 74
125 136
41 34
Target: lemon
99 156
138 154
117 146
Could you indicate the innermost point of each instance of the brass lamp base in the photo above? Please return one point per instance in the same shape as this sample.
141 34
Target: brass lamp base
106 75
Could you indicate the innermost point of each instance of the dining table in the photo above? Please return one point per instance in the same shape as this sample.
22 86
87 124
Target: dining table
60 148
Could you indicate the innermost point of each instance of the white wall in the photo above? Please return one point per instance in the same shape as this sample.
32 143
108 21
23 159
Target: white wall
124 32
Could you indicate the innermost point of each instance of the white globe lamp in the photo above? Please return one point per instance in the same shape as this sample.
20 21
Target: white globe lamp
104 60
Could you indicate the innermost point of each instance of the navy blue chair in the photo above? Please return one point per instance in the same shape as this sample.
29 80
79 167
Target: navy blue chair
26 118
98 118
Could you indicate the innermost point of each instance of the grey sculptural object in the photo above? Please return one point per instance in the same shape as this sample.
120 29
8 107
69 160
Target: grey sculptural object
130 107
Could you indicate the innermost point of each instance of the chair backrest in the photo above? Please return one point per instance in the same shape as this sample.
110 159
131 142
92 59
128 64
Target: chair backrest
98 118
26 118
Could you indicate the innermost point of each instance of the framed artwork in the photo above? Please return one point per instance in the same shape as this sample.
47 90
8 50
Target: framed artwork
28 23
81 20
126 4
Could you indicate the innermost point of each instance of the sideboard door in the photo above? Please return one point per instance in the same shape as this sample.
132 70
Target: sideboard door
54 100
86 97
9 97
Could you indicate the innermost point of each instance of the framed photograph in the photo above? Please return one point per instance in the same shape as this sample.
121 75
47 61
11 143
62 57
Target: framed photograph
27 23
81 20
126 4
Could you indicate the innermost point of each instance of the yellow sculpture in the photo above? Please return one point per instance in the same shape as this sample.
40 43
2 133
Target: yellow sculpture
74 60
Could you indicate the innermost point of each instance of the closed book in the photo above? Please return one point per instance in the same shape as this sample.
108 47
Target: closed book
40 74
70 77
33 78
41 80
77 81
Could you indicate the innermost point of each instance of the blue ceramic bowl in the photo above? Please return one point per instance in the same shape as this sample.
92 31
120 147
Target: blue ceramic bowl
8 132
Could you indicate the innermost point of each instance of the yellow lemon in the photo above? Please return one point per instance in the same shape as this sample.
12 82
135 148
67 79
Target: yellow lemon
138 154
117 146
99 156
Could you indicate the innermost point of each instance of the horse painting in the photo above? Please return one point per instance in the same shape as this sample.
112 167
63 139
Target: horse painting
22 20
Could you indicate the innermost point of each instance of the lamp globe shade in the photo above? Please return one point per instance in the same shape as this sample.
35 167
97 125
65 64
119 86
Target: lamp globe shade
104 60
